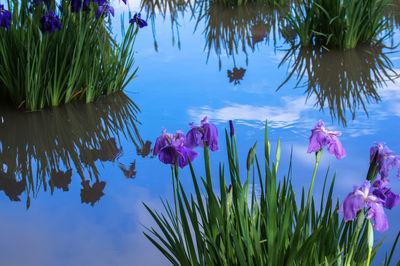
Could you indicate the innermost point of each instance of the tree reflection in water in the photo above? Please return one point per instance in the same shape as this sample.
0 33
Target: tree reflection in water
46 148
92 194
131 172
60 179
10 185
237 29
342 81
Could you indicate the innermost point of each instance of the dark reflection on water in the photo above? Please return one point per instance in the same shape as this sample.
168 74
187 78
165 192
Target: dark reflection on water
238 29
236 75
393 14
41 150
342 81
163 7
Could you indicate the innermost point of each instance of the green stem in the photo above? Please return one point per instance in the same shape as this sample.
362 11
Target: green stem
173 183
369 257
318 155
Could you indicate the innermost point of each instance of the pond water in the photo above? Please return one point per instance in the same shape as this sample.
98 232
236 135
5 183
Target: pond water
73 178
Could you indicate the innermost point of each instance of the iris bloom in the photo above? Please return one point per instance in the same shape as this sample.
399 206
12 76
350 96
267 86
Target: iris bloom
5 18
364 197
322 137
104 9
198 135
390 199
136 19
386 160
170 147
50 22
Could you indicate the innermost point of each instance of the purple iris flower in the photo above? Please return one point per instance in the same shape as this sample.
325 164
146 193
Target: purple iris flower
198 135
5 18
136 19
169 147
386 160
322 137
50 22
104 9
364 197
390 199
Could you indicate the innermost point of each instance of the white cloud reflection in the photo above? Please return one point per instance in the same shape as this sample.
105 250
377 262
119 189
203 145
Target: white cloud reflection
285 116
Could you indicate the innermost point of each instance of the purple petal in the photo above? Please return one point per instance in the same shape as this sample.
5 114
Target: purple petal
194 138
210 134
167 155
378 214
204 121
318 140
351 205
184 155
392 200
335 147
161 143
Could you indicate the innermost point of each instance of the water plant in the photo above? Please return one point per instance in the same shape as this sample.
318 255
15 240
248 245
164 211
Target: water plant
164 8
235 225
55 52
339 23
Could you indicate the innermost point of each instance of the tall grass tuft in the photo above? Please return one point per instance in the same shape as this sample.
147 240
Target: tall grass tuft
79 61
340 23
236 226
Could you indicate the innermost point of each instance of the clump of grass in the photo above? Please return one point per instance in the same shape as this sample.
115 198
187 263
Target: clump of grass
233 226
79 61
339 23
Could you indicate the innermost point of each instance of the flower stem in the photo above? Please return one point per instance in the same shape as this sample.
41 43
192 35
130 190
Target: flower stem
173 183
318 156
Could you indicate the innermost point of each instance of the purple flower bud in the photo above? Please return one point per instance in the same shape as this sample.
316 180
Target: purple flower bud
5 18
232 129
322 137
